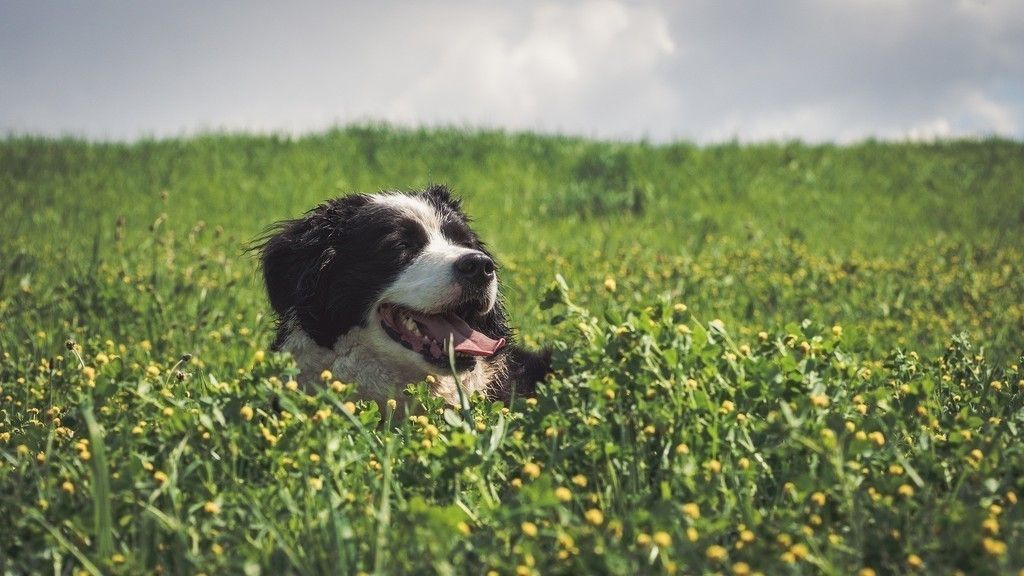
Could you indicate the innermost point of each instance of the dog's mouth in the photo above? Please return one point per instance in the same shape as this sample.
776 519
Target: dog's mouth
431 334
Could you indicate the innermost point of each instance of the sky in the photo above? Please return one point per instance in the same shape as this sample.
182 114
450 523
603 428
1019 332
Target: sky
698 70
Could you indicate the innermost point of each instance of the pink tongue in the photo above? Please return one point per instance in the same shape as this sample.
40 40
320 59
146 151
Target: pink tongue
467 340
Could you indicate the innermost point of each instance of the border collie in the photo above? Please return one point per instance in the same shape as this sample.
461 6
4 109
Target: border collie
376 288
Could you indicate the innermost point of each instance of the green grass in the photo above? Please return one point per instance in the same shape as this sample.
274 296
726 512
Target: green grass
784 358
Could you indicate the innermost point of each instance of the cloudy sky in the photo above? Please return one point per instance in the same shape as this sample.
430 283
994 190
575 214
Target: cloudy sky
703 70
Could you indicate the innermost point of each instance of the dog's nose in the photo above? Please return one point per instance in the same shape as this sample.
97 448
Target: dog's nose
475 268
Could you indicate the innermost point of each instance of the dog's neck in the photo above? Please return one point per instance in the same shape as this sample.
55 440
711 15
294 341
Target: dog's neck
355 359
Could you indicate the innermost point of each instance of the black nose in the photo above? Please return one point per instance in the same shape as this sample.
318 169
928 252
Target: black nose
475 268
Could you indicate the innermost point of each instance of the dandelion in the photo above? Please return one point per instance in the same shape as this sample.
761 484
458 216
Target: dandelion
905 490
691 534
291 385
68 487
531 402
990 525
691 510
993 547
976 455
714 466
609 284
392 404
727 407
580 480
837 331
529 529
246 412
463 528
316 483
168 411
746 536
643 539
716 553
662 539
799 551
818 498
152 371
211 507
160 477
117 558
217 549
338 387
741 569
258 356
349 407
89 372
743 463
679 307
914 561
819 400
563 494
594 516
878 438
326 375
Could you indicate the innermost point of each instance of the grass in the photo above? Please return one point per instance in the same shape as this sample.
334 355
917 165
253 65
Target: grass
771 358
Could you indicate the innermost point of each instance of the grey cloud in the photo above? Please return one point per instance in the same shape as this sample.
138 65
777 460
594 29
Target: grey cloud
701 69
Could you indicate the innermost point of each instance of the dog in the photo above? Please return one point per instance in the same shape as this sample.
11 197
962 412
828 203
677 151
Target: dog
379 289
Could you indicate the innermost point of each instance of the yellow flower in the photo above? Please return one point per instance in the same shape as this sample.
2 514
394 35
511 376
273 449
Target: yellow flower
211 507
691 534
326 375
866 572
914 561
691 510
643 539
716 553
349 407
993 547
818 498
799 551
819 400
168 411
316 483
679 307
68 487
563 494
117 558
746 536
878 438
160 477
152 370
714 466
259 356
837 330
905 490
314 457
609 284
532 470
727 407
246 412
580 480
463 528
662 539
990 525
594 516
217 549
976 455
89 372
337 387
392 404
529 528
741 569
291 385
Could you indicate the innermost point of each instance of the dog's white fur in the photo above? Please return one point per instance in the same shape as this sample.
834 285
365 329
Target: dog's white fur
367 355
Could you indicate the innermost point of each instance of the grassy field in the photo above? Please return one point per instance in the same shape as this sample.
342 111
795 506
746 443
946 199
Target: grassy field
770 359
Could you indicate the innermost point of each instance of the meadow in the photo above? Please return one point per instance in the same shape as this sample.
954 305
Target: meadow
770 359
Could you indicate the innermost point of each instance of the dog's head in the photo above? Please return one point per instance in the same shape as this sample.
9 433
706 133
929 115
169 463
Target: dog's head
405 270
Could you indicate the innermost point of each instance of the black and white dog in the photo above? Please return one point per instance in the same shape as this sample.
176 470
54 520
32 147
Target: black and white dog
375 288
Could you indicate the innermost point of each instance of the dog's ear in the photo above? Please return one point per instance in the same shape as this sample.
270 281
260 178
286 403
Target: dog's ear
292 255
441 196
297 253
